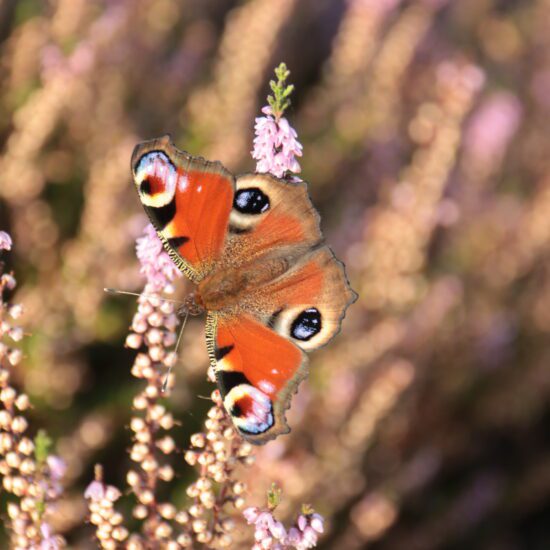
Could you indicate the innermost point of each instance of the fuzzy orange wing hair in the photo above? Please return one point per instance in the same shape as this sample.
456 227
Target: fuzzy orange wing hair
188 200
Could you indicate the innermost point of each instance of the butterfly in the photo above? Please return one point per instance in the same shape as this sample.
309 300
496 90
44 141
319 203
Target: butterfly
271 288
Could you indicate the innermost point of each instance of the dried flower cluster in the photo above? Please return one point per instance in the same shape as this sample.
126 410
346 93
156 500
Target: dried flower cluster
216 453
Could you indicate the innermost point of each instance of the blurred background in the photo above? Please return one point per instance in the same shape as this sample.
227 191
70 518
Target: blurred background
425 126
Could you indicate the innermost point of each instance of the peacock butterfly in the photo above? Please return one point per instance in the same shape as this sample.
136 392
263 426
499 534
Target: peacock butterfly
271 288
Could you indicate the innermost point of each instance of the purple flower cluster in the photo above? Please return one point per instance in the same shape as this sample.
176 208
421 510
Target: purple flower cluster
276 145
5 241
159 270
97 491
50 541
270 534
493 126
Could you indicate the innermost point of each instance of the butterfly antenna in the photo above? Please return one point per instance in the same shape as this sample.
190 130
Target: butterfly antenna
165 383
127 293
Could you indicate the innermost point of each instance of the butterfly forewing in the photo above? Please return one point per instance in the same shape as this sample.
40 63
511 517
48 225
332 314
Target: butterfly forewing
188 201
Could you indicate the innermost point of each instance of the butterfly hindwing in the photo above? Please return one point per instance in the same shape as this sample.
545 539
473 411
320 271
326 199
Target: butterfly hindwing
188 200
306 304
257 351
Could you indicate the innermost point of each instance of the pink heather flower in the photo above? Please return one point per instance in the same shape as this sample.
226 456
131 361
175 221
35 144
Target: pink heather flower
294 536
276 145
49 540
309 537
265 520
112 493
278 530
317 523
251 514
159 270
260 534
492 127
5 241
57 467
304 535
271 534
95 491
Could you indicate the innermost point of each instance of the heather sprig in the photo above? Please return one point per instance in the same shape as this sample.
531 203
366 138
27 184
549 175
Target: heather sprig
276 144
271 534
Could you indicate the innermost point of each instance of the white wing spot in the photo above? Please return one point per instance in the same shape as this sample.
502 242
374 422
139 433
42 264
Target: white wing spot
266 387
183 182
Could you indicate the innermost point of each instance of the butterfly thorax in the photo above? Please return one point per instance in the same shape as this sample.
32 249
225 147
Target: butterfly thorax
225 287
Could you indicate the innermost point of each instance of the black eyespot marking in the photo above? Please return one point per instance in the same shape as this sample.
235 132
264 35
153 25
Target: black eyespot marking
145 187
176 242
220 353
306 325
251 201
235 410
162 215
228 379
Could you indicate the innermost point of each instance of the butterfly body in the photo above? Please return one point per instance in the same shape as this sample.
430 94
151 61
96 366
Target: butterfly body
271 288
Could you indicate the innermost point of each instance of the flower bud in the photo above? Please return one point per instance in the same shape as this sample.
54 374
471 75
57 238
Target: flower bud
134 341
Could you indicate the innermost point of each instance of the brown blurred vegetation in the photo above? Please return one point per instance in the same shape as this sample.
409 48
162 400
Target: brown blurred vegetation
425 127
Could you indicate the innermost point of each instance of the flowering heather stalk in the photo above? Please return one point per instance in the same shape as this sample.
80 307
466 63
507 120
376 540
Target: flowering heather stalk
275 145
154 326
109 529
28 471
216 452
